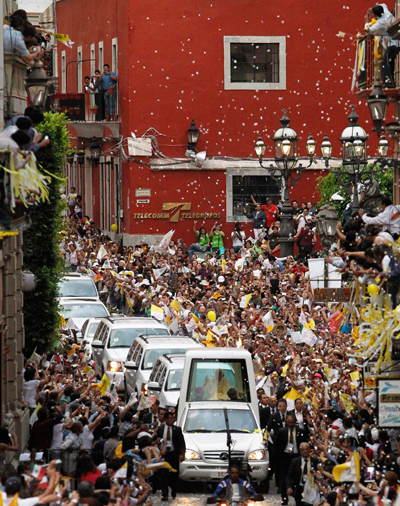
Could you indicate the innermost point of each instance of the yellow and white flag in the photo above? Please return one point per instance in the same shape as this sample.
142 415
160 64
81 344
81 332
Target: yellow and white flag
292 395
121 473
308 335
157 312
105 384
63 38
349 471
175 305
268 322
244 301
332 375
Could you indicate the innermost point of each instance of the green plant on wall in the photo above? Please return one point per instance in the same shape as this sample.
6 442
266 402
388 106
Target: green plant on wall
41 242
328 186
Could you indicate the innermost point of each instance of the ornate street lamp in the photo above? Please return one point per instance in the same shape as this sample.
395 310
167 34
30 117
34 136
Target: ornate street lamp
95 150
193 135
330 220
383 146
320 219
326 150
36 85
71 157
288 171
377 103
81 156
354 153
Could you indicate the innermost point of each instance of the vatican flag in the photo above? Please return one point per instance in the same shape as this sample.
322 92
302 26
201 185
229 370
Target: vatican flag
157 312
349 471
244 301
268 322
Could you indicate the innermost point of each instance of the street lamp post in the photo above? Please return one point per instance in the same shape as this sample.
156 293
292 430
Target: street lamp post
354 153
36 85
288 171
95 150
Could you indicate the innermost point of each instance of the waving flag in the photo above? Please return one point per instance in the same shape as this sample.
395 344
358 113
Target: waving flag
308 335
157 312
349 471
268 322
244 301
63 38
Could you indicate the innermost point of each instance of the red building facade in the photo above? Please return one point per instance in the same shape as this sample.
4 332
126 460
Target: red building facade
232 67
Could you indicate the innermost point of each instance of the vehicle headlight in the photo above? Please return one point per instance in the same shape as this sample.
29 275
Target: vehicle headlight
144 388
114 366
257 455
191 455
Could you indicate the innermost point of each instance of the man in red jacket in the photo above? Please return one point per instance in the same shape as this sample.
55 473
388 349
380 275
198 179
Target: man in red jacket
271 211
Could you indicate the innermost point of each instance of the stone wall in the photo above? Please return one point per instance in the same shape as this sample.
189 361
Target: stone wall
13 337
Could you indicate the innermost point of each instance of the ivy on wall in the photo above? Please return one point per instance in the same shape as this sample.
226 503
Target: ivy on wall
41 242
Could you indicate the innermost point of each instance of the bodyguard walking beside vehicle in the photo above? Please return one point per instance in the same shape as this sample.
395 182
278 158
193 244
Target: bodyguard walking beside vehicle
173 452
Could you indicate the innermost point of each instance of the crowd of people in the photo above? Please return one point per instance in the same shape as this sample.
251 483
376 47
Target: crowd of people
23 38
315 412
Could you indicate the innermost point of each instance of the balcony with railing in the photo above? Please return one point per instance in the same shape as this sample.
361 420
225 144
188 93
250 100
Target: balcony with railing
368 68
86 114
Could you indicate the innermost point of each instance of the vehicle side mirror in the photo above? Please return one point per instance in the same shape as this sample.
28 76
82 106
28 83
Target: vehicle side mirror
153 385
97 344
211 500
129 364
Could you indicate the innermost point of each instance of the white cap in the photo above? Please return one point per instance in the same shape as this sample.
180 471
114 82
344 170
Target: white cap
221 279
143 434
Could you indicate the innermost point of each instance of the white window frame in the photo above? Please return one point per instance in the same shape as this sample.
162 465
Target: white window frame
108 173
63 72
101 56
114 55
228 85
92 70
79 76
103 184
92 59
230 217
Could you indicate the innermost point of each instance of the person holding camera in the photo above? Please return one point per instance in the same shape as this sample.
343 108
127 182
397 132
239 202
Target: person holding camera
238 238
109 82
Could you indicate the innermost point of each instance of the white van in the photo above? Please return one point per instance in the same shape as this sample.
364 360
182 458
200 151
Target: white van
142 356
219 383
113 339
166 378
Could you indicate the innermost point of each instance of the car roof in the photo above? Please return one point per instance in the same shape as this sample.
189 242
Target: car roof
218 405
76 300
134 322
173 361
211 353
76 276
161 342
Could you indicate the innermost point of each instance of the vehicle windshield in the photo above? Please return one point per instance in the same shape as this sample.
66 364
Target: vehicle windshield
174 380
151 356
77 288
123 338
213 420
215 380
82 310
92 329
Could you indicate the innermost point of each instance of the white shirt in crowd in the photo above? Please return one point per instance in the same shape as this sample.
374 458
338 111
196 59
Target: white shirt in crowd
29 392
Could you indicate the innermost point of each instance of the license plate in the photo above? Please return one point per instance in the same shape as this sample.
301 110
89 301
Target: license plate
218 474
